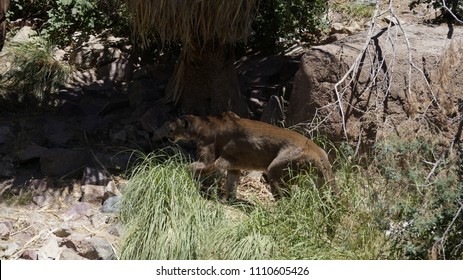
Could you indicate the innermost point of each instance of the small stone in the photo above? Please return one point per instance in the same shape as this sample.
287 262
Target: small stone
6 169
32 151
69 254
62 232
62 162
78 211
102 247
111 205
110 190
8 249
50 249
42 199
99 220
5 134
81 246
4 232
59 55
41 185
116 229
29 255
119 137
94 176
92 194
25 34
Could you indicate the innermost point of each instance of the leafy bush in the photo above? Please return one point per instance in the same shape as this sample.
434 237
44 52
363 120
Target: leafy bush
422 195
281 23
62 18
455 6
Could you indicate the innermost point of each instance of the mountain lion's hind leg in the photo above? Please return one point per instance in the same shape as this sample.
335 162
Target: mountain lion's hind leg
233 177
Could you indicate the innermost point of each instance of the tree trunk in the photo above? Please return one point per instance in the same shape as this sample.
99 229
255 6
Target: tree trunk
205 82
3 8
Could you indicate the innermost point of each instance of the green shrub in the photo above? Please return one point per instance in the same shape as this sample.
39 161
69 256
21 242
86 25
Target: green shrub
281 23
63 18
422 195
455 6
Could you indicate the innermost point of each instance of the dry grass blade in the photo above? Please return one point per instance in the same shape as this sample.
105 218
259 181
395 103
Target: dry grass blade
193 22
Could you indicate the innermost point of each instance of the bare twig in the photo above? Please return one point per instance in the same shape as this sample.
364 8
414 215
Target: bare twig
433 169
355 68
441 240
444 6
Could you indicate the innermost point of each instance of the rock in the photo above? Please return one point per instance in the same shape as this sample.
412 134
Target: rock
99 88
59 54
5 134
24 35
103 248
155 117
4 232
60 162
111 190
273 112
8 224
6 169
118 70
8 249
69 254
29 255
50 249
93 248
82 58
109 55
334 37
118 137
370 105
131 132
111 205
41 185
5 185
116 229
84 77
94 176
114 160
94 123
60 138
32 151
42 199
143 90
99 220
63 231
77 211
92 194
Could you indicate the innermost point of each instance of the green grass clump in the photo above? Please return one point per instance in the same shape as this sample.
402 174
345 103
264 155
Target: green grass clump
34 73
164 214
353 9
398 206
167 218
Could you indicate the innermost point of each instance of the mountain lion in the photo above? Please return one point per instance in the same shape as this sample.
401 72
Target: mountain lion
233 144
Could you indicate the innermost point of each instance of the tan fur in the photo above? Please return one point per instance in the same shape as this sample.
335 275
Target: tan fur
233 144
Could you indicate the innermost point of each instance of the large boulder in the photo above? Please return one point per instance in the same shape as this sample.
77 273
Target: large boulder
387 89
